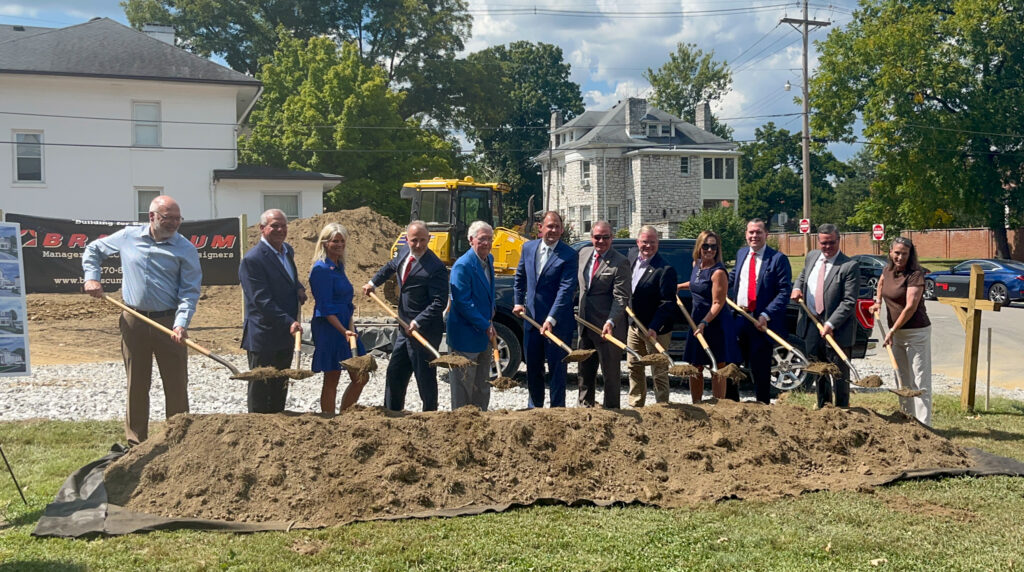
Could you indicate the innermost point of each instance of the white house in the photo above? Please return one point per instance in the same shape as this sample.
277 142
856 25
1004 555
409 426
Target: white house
100 118
634 165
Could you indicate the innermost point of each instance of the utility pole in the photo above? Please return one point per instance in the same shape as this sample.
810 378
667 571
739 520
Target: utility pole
803 26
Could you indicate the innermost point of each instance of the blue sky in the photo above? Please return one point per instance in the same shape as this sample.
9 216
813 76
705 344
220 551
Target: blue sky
610 43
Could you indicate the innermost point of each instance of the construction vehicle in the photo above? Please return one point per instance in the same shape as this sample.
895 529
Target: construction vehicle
449 206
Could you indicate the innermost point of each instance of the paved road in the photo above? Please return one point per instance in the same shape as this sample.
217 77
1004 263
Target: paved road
1007 350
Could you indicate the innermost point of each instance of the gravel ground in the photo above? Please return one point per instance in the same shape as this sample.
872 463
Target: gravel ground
97 390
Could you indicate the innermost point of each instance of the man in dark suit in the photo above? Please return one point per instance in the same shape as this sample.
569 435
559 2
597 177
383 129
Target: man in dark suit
604 295
653 301
760 283
423 293
273 294
829 284
544 286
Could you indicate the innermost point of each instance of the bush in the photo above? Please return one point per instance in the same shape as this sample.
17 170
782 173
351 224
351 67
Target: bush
730 227
622 233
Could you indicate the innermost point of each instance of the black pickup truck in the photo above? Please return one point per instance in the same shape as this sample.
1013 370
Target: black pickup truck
786 371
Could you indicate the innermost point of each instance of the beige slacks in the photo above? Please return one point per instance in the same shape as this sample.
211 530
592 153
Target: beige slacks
913 352
139 343
638 376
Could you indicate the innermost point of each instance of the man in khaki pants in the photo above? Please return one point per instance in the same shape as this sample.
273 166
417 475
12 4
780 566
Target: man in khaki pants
653 302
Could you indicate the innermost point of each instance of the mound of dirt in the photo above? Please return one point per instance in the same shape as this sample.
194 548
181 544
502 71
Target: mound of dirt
372 463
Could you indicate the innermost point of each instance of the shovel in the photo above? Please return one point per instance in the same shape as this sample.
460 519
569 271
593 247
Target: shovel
869 381
358 364
293 372
700 337
501 383
449 361
896 368
574 355
234 370
645 360
643 331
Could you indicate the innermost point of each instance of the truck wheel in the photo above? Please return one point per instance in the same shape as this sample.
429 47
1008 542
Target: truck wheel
788 369
510 350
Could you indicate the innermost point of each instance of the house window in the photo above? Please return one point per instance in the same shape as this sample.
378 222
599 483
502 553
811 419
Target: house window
561 178
585 172
730 168
585 221
613 217
709 169
719 168
28 156
684 165
144 196
286 203
146 124
630 209
629 168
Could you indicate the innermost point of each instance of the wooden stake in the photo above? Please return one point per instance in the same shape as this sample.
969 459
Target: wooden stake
968 311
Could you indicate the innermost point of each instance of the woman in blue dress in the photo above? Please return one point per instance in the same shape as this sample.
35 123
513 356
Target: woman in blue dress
709 286
332 324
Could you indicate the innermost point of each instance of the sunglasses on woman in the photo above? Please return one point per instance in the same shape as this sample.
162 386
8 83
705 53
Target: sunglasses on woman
709 247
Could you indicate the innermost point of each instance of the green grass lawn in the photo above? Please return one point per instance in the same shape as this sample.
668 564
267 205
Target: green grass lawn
948 524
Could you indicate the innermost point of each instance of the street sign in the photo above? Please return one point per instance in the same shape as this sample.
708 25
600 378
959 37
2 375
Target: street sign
878 232
805 225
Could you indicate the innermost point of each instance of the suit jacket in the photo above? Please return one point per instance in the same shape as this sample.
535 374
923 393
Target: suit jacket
551 292
842 284
271 298
654 299
774 283
606 296
424 295
473 303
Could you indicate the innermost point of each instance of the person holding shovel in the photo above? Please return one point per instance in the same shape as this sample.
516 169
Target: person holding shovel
653 282
470 319
709 286
423 294
272 294
161 281
829 284
332 318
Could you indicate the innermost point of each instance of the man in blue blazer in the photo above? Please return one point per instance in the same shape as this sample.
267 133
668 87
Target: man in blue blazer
423 294
544 287
470 318
760 282
273 294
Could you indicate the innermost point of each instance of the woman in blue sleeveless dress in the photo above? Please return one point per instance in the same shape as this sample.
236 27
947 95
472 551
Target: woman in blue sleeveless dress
709 286
332 318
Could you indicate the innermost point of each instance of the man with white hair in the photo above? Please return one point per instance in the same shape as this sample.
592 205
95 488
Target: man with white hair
161 279
273 294
470 319
423 294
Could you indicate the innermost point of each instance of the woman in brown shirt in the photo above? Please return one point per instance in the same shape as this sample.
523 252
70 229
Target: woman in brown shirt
901 286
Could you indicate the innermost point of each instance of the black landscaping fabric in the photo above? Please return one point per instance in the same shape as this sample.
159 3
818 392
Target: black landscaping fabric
80 508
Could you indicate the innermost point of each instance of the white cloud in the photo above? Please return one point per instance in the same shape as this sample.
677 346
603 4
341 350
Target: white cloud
18 10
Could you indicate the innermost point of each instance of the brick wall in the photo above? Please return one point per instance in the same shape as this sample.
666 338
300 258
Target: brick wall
933 243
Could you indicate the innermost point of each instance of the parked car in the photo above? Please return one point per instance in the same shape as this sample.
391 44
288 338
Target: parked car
1004 280
871 266
787 374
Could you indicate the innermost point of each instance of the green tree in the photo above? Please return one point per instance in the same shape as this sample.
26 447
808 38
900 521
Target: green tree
521 84
938 87
729 226
688 78
324 110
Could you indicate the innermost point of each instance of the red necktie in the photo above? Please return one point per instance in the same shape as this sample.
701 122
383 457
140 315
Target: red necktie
408 267
752 282
593 271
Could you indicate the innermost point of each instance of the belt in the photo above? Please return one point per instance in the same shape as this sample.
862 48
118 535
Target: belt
156 313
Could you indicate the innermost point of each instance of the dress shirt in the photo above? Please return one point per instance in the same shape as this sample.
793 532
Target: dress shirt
639 268
156 276
822 264
282 257
744 272
543 255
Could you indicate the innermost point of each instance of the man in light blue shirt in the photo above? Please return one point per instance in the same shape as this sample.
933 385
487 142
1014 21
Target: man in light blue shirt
160 279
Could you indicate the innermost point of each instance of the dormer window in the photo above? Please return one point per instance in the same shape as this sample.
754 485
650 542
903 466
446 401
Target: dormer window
657 130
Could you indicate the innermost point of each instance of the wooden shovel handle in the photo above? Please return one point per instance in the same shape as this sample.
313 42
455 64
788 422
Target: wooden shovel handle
821 330
550 336
419 337
353 342
156 324
598 331
892 358
778 339
643 328
693 326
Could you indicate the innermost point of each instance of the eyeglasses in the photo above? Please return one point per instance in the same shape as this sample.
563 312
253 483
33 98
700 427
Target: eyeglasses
602 237
709 247
169 218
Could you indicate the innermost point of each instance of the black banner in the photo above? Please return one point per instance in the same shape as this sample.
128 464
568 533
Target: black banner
52 250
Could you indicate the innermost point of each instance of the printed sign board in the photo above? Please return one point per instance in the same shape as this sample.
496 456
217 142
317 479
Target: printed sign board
14 356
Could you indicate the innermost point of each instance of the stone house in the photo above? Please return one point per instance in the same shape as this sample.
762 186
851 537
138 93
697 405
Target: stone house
635 165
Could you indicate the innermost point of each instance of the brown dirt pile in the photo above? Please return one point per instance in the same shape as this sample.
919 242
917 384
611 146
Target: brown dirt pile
371 463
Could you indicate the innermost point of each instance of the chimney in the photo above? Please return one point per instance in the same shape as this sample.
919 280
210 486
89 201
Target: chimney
702 116
163 33
636 109
556 122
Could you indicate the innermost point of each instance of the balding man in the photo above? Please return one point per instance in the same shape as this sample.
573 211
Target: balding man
653 301
273 294
423 294
161 278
